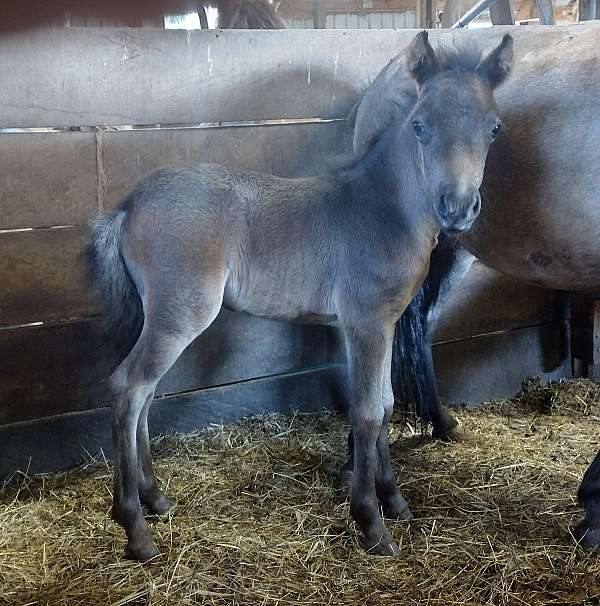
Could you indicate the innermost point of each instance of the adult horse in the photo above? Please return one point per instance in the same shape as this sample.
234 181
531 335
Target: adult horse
540 217
352 247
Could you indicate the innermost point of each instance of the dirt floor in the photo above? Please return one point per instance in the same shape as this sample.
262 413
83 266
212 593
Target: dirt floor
259 520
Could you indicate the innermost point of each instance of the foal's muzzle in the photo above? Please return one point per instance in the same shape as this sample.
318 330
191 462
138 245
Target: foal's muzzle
456 212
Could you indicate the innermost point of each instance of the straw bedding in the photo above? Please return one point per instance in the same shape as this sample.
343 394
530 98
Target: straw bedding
259 519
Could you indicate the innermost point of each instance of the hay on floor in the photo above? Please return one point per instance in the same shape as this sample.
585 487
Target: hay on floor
259 520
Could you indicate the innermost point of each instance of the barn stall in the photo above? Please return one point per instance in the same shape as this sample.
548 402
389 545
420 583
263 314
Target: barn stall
85 113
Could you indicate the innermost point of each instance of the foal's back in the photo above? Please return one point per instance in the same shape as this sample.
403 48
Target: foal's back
266 242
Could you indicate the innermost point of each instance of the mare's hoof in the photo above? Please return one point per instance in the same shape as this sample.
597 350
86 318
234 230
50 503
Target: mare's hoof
588 535
141 552
159 505
382 545
397 509
450 434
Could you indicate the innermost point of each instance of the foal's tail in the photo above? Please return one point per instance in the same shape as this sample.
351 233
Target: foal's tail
121 304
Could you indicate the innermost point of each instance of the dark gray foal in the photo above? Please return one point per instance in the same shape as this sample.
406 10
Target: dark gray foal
351 247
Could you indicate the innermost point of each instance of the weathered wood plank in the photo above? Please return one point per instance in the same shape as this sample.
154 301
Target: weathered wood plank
489 301
42 276
178 76
33 446
493 366
287 151
47 179
486 367
52 370
42 273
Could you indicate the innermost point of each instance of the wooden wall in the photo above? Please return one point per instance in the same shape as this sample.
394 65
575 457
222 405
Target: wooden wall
84 113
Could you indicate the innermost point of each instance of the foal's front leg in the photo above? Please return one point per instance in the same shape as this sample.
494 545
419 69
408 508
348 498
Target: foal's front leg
369 357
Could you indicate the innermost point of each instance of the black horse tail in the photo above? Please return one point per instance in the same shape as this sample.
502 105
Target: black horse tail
412 367
123 315
413 375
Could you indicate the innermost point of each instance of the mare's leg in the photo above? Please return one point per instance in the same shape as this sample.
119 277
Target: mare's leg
150 493
369 354
588 530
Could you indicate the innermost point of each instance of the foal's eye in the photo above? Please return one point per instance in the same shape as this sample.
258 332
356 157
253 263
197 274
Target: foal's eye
418 128
496 130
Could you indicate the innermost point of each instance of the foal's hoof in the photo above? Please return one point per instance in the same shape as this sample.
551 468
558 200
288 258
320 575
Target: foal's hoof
159 504
382 545
141 552
587 535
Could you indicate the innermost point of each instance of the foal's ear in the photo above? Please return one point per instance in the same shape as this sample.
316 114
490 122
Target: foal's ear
421 59
497 65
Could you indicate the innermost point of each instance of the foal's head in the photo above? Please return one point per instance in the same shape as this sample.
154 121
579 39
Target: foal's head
455 120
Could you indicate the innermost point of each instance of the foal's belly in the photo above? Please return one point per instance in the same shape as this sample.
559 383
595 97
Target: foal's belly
278 299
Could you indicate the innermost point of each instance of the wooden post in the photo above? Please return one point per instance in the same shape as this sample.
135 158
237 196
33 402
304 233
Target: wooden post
501 13
319 14
203 18
585 336
425 12
546 11
429 14
589 9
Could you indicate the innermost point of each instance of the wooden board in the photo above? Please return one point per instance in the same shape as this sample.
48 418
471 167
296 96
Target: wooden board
490 366
35 384
42 276
52 370
488 301
47 179
494 366
207 76
287 151
33 446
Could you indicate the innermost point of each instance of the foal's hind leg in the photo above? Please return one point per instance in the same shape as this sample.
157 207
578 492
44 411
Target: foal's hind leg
157 349
150 493
135 381
588 530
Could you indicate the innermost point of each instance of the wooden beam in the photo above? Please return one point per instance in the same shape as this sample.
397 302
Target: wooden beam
203 18
501 13
319 14
546 11
589 10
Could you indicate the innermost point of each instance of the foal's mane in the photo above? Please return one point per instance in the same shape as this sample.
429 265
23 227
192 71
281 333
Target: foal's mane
462 57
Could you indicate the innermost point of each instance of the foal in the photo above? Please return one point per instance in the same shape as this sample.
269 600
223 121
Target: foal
351 247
